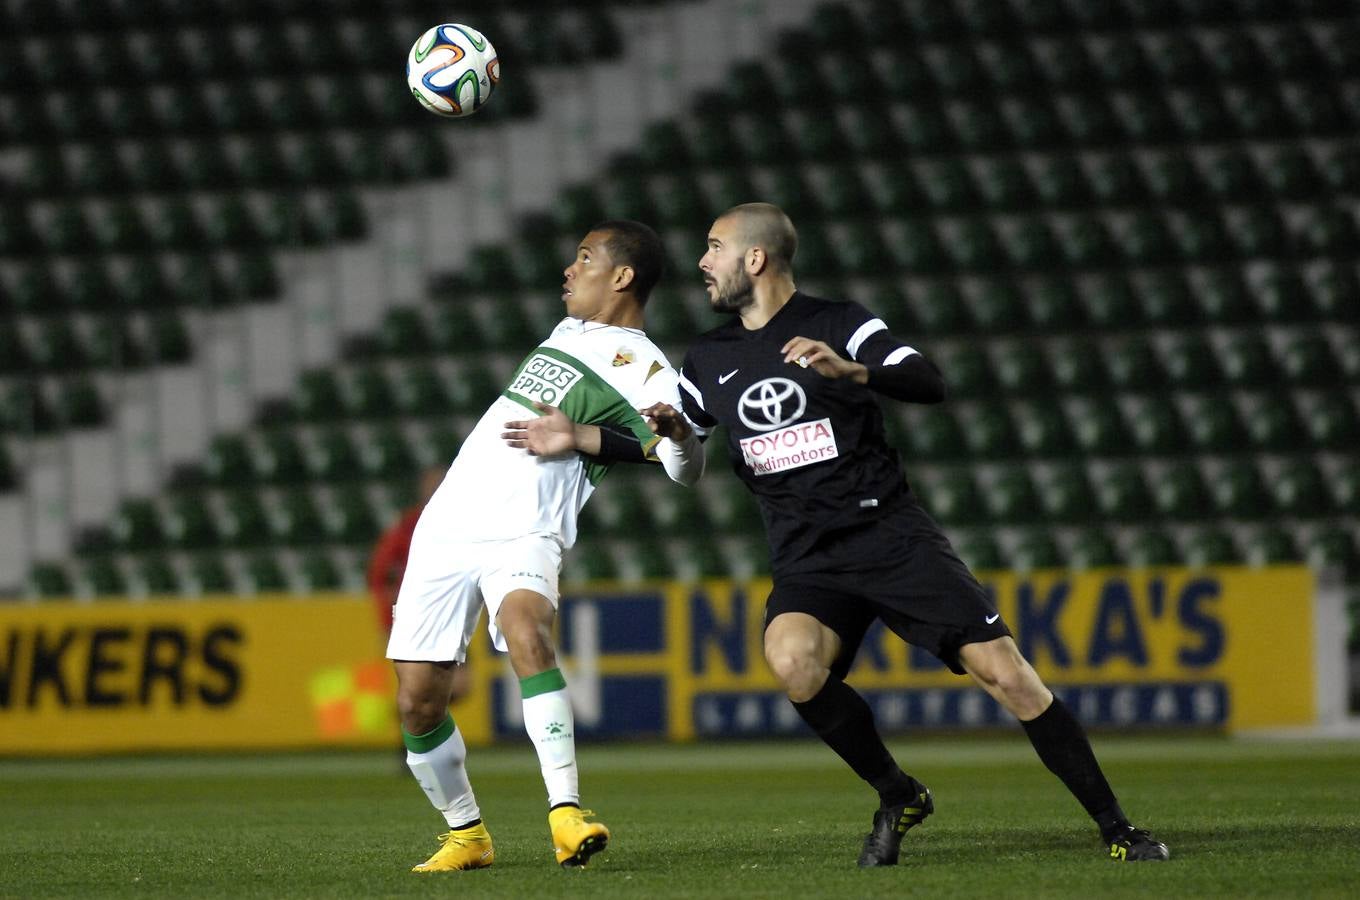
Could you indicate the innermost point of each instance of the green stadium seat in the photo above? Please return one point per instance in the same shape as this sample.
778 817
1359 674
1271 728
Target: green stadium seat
14 356
404 332
80 405
980 552
748 83
1036 550
1180 492
49 580
1077 365
895 190
1133 365
1281 296
264 574
319 397
1021 368
153 167
136 526
1301 490
1231 175
948 186
1033 122
1093 550
998 306
1307 360
954 499
421 392
1201 236
1331 421
1334 288
208 167
651 559
1122 494
1066 494
371 395
1247 362
99 171
1272 545
1042 429
69 230
1329 231
57 348
144 286
978 127
188 523
1345 485
1059 181
102 577
1152 548
1054 305
1067 65
281 459
299 520
228 461
1190 363
112 345
1121 63
1099 429
1290 173
1273 424
1090 120
1012 496
1116 180
1233 55
791 192
157 576
1213 425
920 252
353 518
936 435
1110 302
244 522
817 257
1086 242
390 454
1341 169
1239 491
1156 426
1333 546
208 574
872 135
1147 118
989 432
1211 547
336 457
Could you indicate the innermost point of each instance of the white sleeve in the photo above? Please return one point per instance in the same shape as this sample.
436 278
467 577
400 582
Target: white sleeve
683 460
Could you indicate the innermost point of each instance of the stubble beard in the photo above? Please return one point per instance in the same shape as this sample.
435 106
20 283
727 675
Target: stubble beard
736 295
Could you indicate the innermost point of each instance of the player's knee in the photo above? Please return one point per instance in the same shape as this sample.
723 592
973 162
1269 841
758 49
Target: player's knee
420 710
798 673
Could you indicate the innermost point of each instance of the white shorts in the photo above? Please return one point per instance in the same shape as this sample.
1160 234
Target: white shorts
445 587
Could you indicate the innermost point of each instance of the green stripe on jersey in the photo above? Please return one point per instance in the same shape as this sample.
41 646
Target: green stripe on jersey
550 376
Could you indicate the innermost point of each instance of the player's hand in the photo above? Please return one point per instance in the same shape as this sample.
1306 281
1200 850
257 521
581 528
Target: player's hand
551 434
667 421
816 355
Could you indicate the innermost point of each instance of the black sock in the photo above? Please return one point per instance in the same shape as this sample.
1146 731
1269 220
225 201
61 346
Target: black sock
844 721
1061 743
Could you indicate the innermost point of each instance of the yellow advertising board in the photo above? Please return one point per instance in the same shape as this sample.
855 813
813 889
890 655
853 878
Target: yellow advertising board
1229 648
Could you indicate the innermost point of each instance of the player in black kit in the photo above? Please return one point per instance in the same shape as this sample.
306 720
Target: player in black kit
794 380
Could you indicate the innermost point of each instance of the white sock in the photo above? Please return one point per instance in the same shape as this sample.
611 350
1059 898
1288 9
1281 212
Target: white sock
437 760
549 722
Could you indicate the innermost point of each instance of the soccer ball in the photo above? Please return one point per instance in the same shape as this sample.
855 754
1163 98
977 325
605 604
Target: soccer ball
452 70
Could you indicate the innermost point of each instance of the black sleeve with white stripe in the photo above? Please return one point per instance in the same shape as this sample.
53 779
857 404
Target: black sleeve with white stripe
895 369
692 403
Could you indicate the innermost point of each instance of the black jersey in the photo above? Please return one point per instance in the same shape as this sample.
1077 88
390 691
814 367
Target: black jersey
812 449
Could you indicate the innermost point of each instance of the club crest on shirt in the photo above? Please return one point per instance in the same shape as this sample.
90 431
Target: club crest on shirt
623 356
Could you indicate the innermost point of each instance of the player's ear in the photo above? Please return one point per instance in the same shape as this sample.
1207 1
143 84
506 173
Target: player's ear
756 260
623 277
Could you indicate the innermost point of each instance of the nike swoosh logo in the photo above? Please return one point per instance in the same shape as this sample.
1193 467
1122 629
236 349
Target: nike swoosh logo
992 618
723 379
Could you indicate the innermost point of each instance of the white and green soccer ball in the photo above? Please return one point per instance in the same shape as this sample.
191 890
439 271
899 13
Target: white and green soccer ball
452 70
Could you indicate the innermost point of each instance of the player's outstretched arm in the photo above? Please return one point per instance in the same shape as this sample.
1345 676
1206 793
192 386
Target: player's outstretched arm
552 434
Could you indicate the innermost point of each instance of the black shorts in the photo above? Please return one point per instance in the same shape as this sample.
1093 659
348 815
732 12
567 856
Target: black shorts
902 570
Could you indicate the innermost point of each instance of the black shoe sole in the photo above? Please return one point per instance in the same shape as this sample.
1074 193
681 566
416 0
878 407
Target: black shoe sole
589 847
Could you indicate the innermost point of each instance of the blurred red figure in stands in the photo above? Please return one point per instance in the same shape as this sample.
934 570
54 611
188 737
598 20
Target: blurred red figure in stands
388 563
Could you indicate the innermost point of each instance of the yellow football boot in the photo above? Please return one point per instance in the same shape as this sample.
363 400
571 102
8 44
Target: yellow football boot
574 839
466 848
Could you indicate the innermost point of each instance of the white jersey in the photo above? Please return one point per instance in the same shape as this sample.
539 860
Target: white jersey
597 375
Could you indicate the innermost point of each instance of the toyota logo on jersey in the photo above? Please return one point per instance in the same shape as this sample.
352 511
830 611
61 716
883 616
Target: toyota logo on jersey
771 403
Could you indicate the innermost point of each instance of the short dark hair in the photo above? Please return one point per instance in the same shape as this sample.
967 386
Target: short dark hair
636 245
766 226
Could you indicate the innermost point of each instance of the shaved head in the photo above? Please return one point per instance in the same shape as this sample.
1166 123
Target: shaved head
765 225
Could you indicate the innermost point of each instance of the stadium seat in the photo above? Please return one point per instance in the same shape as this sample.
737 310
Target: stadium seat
1036 549
1123 495
1146 118
188 524
263 574
1059 181
1271 545
948 186
102 577
281 459
371 395
1333 289
112 345
1143 240
1341 169
137 526
1066 494
980 552
49 580
1231 176
1156 426
998 306
1093 549
207 166
1042 429
69 230
1201 236
1307 360
1272 423
978 127
243 522
936 435
1099 429
1239 491
1151 548
1331 421
1180 492
208 574
80 404
1211 547
157 576
298 521
336 457
57 348
318 572
953 498
1090 120
1301 490
1086 242
319 397
1077 365
1345 487
390 454
1246 361
1054 305
1213 425
1190 363
989 432
895 190
1012 496
1133 365
1031 244
1115 180
1021 368
1110 302
1281 296
144 286
421 392
1329 231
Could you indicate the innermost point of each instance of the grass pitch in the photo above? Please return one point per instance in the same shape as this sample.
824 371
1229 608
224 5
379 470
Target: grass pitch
785 820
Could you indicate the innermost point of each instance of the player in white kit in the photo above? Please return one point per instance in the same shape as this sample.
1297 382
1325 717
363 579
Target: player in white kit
494 532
